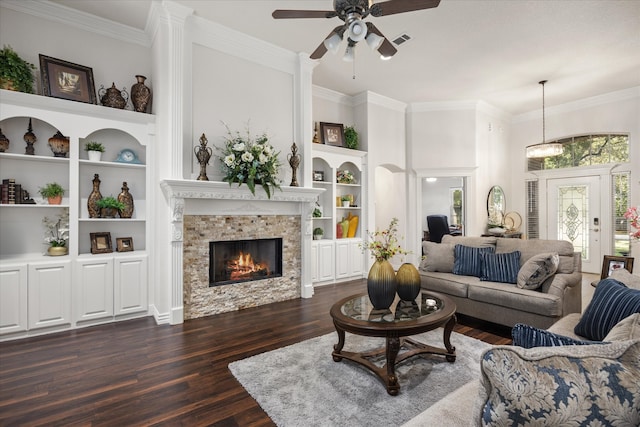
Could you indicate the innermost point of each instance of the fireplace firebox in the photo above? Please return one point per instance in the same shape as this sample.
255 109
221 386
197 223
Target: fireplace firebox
237 261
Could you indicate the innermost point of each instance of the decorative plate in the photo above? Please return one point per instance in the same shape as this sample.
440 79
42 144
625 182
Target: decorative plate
513 221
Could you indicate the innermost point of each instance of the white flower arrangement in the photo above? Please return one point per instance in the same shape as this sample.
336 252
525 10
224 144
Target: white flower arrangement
57 232
251 162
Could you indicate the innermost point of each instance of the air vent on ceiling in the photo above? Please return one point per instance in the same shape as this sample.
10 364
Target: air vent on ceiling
404 37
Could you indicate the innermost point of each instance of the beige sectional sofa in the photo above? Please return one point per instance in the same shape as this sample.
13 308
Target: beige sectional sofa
595 384
506 303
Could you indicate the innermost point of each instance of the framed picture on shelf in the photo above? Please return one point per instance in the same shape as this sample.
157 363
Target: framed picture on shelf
613 263
318 175
101 243
66 80
124 244
332 134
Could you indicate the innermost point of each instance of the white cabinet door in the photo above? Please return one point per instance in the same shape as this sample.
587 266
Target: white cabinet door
93 289
49 294
130 283
356 258
13 298
342 259
326 258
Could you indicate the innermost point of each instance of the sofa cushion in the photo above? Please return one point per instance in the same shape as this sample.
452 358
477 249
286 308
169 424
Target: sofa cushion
528 336
630 280
473 241
626 329
531 247
537 269
500 267
437 257
447 283
566 385
467 260
506 295
612 301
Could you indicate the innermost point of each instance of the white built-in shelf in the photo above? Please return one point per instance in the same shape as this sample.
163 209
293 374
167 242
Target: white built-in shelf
27 157
112 164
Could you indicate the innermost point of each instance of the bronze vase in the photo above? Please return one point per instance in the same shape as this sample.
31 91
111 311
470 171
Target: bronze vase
381 285
408 282
94 211
127 199
59 144
140 95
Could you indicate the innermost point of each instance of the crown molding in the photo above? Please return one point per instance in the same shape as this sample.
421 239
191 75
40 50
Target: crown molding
380 100
332 95
581 104
425 107
77 19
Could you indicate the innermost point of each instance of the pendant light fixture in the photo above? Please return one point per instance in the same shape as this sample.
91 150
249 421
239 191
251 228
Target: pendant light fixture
544 149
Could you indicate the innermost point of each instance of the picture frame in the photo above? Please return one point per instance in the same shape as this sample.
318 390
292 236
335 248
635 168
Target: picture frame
101 243
332 134
66 80
318 175
612 263
124 244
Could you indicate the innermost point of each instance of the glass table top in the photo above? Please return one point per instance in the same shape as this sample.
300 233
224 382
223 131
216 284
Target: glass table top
360 308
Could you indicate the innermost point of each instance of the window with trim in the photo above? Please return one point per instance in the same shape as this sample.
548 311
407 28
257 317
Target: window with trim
585 150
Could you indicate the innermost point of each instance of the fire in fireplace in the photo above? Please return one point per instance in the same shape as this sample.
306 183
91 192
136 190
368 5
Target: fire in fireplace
238 261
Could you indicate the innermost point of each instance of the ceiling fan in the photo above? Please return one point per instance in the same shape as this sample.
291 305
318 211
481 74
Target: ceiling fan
352 12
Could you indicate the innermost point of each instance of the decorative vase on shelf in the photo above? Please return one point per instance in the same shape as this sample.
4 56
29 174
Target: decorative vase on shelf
30 138
57 250
4 142
408 282
94 211
113 97
381 285
59 144
127 199
140 95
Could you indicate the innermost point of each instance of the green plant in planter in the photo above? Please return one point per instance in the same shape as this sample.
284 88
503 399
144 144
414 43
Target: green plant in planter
351 137
15 72
317 213
94 146
110 203
52 189
318 232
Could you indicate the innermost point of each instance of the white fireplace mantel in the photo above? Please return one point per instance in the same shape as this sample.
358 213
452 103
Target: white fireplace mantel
220 198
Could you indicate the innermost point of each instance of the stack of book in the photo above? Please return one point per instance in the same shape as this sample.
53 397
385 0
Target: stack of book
13 194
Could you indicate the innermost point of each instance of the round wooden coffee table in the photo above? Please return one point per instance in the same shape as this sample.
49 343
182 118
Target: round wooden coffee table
356 315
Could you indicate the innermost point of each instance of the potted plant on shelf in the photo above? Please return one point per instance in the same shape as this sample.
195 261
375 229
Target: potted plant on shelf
351 137
318 233
94 150
53 192
109 206
57 234
346 201
15 72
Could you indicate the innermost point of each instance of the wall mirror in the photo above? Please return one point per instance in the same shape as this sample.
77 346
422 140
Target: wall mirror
496 205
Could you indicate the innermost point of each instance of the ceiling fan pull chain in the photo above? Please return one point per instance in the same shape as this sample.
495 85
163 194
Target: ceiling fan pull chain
354 65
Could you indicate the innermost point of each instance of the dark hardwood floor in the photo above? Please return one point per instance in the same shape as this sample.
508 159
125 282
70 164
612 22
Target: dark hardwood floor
137 373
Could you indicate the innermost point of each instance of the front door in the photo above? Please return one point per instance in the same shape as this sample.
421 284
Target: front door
574 215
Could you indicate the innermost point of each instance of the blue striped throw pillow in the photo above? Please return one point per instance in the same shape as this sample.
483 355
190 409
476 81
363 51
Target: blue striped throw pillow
500 267
467 260
528 336
612 301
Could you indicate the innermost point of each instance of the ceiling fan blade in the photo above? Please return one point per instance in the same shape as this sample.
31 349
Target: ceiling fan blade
386 49
391 7
289 14
322 49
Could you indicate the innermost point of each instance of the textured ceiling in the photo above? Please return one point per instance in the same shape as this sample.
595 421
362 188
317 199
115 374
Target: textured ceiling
463 50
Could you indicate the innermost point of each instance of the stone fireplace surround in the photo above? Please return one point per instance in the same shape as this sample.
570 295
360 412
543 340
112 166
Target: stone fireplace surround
202 211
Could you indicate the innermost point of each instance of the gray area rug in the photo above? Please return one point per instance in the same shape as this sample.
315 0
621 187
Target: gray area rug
301 385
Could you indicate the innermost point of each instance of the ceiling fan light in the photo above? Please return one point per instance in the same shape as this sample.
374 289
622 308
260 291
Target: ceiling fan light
357 30
333 43
386 57
348 54
374 41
